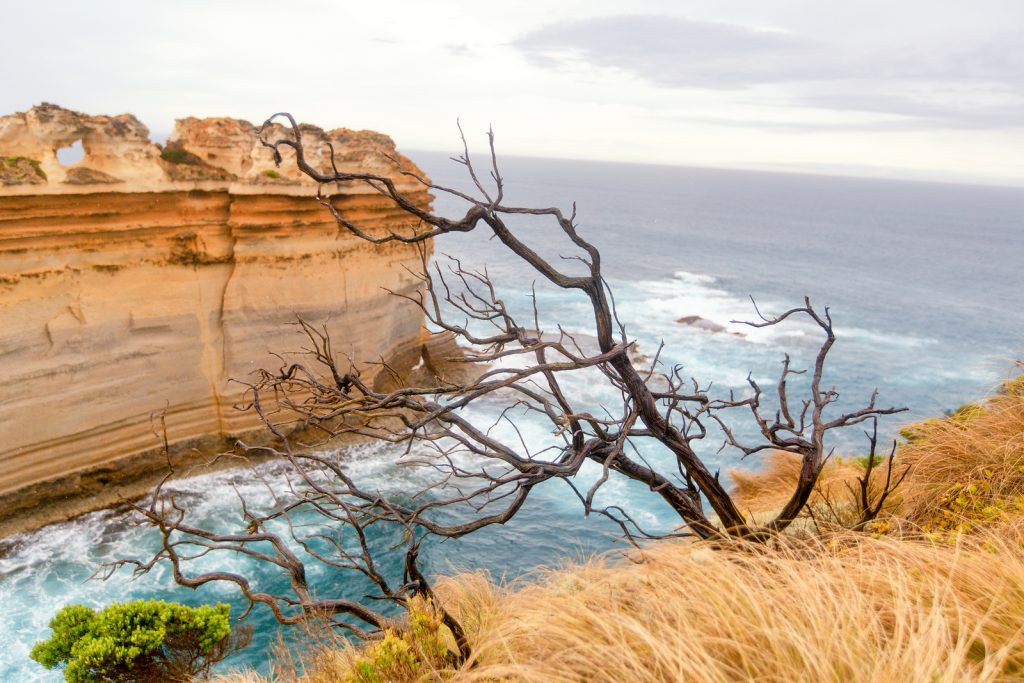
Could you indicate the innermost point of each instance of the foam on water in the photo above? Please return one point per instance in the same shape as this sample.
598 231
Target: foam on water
688 294
43 570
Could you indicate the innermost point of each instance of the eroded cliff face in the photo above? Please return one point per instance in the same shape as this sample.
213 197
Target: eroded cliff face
142 279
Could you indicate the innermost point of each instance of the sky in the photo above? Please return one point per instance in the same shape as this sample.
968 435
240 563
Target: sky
914 89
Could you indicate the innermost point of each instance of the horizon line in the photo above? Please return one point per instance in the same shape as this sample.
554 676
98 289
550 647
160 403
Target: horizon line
901 175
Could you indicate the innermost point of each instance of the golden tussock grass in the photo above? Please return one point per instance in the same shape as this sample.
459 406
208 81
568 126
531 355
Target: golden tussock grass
835 607
768 490
967 467
844 610
850 608
963 471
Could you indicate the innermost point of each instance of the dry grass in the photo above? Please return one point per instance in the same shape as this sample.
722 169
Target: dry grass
859 610
966 471
766 491
838 607
238 677
967 467
850 609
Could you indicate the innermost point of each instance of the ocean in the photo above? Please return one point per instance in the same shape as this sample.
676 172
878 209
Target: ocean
923 282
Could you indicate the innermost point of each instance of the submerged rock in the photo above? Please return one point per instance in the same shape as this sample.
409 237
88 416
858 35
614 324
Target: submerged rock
700 323
706 325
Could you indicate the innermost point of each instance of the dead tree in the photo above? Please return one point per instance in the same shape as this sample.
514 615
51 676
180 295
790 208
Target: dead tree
481 479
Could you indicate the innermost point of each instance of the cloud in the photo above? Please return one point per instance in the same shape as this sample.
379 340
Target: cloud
970 83
674 52
963 110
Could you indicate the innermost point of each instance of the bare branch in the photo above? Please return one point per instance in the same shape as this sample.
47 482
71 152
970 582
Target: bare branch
481 475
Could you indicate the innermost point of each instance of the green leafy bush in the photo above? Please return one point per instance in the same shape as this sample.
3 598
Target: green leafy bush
406 654
140 641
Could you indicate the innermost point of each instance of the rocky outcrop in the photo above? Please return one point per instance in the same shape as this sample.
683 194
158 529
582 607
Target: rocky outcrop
143 279
117 147
706 325
701 323
212 153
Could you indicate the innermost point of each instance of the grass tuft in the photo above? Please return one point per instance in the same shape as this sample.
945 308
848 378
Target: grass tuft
946 605
967 469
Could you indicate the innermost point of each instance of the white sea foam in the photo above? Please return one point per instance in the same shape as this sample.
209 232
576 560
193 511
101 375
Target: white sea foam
665 301
694 278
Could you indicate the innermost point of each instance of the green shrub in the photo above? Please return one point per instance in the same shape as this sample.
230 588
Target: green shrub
406 654
1013 387
177 155
144 640
392 659
964 506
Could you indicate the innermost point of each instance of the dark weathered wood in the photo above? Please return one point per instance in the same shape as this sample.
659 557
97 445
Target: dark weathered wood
425 419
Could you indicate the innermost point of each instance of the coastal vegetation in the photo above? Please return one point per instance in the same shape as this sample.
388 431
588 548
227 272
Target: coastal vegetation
934 591
177 155
142 641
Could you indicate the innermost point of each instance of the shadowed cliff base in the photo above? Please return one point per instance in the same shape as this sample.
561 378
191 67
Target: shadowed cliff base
133 477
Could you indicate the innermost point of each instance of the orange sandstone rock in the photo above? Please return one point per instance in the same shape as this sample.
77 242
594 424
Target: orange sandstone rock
117 147
129 286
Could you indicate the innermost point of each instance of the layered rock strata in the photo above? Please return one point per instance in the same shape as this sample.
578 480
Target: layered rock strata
142 279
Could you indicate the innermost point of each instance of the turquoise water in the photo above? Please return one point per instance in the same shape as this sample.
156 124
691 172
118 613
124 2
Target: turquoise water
924 283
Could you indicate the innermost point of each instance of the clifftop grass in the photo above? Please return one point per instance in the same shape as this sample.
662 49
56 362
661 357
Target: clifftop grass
967 469
935 593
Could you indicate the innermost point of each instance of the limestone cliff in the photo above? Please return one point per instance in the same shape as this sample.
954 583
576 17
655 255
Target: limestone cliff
143 279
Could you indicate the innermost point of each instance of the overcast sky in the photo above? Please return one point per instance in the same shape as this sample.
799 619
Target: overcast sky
926 89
